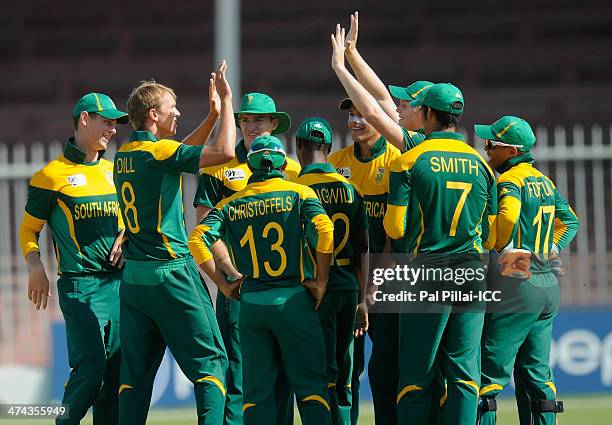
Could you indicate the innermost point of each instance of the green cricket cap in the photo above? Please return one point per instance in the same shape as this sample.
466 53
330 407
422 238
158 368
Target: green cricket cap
510 130
443 97
259 103
316 130
411 92
102 105
266 148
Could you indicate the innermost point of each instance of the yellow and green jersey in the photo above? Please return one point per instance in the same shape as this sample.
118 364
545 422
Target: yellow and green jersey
532 215
442 198
263 228
371 176
79 202
148 175
222 181
345 206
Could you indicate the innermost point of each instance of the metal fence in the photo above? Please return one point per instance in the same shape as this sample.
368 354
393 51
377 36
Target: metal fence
576 157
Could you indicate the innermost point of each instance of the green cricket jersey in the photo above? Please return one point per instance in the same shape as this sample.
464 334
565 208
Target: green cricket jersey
79 202
262 227
222 181
532 213
148 176
345 206
442 197
371 176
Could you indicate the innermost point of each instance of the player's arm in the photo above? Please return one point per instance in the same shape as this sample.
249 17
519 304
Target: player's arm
365 103
312 212
489 224
365 74
509 210
202 133
219 249
566 222
41 200
361 263
397 212
222 150
203 237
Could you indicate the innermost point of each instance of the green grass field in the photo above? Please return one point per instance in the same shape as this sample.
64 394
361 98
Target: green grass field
596 409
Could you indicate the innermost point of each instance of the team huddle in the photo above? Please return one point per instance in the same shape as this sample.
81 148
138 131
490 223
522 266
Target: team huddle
290 247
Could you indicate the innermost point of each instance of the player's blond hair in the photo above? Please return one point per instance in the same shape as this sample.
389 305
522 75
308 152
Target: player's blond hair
146 96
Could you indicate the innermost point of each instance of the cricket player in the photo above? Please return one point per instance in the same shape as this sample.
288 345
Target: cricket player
442 197
164 301
402 127
348 277
535 218
262 226
257 117
75 195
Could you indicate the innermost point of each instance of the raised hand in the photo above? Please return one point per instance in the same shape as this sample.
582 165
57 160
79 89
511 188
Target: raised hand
213 97
350 44
222 85
337 41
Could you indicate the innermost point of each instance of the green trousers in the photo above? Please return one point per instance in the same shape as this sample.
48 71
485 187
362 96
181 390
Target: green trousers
165 303
519 338
441 340
382 368
90 305
228 313
337 316
287 333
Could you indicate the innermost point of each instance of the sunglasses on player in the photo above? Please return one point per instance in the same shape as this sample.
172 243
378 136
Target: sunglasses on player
492 144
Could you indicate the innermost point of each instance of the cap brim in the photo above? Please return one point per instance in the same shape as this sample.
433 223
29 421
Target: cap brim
484 132
345 104
417 102
400 93
284 120
114 114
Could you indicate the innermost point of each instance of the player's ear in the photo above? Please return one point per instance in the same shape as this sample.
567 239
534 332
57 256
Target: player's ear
275 122
84 118
152 115
282 168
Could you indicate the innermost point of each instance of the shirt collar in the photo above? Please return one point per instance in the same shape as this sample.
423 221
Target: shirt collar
376 150
318 167
142 135
445 135
74 154
526 157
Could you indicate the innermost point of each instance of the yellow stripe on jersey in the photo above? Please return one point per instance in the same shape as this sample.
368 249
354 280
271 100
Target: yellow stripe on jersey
316 178
66 212
519 173
507 216
490 242
272 185
559 231
30 226
407 389
197 247
418 241
161 150
215 381
489 388
407 160
55 176
325 231
159 229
